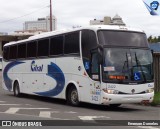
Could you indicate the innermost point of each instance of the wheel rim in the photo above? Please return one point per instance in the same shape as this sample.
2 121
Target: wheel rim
74 96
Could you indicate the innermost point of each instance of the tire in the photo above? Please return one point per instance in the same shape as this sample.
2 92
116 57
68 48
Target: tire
114 105
72 97
16 89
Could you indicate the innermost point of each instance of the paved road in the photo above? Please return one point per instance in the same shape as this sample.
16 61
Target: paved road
41 108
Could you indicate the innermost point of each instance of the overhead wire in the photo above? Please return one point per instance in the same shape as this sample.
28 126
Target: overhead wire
23 15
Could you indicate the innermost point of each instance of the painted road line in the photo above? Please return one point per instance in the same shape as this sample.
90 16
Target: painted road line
10 104
84 118
2 101
71 112
27 115
148 127
14 110
47 114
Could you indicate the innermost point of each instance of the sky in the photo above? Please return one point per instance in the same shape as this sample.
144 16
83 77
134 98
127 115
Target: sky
69 13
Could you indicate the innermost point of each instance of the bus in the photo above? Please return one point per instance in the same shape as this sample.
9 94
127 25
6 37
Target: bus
100 64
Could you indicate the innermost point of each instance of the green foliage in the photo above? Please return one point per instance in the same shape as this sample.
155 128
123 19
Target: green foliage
152 39
156 100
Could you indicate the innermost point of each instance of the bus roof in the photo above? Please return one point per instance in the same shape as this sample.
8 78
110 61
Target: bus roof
91 27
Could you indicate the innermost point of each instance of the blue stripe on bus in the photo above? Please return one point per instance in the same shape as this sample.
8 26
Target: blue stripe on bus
56 73
7 80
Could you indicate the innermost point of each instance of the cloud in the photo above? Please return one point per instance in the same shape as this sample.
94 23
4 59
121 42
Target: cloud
73 12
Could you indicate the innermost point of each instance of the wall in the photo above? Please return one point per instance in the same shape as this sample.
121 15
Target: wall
156 66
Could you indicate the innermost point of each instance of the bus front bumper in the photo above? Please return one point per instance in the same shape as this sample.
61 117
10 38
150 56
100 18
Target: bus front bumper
131 98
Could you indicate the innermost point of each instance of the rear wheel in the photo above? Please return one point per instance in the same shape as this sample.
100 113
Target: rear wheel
16 89
72 97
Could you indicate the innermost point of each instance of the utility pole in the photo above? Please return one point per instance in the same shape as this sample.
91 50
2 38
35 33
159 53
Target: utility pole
50 15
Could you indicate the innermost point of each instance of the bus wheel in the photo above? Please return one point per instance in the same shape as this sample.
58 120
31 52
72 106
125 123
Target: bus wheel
73 97
114 105
16 89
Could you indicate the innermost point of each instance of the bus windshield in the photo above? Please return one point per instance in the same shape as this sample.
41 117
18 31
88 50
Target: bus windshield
122 38
127 65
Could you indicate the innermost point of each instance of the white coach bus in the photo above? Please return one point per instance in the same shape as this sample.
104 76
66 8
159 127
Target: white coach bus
108 65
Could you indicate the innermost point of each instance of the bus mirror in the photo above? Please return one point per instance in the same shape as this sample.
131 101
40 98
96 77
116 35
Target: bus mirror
100 59
100 54
152 51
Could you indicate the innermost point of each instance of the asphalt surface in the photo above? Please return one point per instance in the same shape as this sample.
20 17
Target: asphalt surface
57 112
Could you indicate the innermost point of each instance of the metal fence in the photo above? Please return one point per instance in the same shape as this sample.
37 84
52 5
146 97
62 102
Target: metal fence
156 66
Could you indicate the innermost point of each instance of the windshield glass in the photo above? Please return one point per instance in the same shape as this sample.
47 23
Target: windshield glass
122 38
127 65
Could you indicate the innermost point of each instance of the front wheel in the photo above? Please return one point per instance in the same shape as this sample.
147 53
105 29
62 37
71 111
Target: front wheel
73 97
16 89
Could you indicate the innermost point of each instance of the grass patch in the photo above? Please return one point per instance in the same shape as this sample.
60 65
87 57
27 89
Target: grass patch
156 99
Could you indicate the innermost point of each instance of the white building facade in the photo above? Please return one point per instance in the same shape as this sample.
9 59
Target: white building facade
41 24
116 20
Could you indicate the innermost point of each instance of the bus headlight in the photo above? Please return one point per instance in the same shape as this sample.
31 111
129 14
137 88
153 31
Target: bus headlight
149 90
111 91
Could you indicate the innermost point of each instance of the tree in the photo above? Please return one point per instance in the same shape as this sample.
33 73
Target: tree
150 39
158 39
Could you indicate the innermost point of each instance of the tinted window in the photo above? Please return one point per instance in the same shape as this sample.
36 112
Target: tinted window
6 53
122 38
31 49
71 43
13 52
22 50
89 42
43 47
56 45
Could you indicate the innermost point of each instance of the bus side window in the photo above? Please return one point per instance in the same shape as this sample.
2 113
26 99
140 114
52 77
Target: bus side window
22 51
6 53
13 52
56 45
31 49
95 67
43 47
89 42
71 45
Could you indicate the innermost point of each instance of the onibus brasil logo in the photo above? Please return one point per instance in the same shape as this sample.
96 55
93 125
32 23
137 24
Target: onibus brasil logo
152 6
35 67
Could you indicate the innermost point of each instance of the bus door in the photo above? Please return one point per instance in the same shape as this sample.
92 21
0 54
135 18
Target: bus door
95 87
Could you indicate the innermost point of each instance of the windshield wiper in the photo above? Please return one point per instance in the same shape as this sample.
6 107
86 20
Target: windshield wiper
125 64
139 64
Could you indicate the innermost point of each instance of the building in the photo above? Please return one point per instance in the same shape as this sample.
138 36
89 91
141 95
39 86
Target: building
42 24
27 32
3 33
9 38
116 20
96 22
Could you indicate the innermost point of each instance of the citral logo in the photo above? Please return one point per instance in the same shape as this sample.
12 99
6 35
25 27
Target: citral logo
36 68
